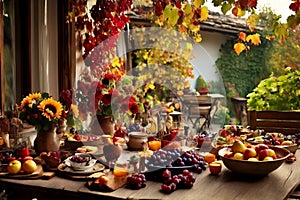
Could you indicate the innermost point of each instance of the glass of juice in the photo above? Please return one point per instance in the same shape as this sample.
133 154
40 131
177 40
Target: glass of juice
120 169
154 145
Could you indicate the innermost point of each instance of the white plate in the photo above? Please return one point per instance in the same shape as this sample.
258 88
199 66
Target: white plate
79 167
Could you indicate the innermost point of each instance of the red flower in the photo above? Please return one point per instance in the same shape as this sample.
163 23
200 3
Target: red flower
134 108
109 76
106 99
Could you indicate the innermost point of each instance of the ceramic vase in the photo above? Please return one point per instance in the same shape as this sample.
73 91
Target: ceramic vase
46 141
106 124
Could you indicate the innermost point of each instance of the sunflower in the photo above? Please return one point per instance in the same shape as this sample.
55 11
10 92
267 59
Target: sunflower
29 100
51 109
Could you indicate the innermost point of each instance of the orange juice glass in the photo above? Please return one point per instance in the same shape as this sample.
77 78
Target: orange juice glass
120 170
154 145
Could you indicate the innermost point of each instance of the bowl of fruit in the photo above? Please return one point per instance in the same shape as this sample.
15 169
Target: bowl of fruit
276 139
80 162
260 159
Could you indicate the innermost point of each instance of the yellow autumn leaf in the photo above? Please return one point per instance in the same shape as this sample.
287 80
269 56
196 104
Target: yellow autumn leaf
255 39
171 14
239 47
251 20
198 3
204 13
194 28
151 86
187 9
197 38
241 12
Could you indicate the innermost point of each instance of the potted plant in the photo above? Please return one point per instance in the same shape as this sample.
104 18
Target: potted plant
202 86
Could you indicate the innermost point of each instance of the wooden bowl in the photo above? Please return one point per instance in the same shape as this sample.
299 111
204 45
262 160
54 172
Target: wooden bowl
292 148
258 168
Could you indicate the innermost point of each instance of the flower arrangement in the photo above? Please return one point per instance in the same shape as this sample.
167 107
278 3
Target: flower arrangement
111 91
43 112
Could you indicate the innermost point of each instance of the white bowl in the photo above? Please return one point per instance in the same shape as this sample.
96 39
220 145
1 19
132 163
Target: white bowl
80 162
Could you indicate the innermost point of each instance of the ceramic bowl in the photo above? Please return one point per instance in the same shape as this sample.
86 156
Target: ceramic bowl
136 140
292 148
80 162
260 168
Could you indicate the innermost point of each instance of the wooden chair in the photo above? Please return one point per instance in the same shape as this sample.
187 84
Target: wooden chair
286 122
197 108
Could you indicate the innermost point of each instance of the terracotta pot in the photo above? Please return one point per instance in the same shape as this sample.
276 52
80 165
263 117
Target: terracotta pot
46 141
203 90
106 124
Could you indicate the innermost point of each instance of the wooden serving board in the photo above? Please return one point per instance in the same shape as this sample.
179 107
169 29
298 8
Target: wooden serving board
113 183
21 175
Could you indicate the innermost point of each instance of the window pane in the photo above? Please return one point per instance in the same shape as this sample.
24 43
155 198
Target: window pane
9 61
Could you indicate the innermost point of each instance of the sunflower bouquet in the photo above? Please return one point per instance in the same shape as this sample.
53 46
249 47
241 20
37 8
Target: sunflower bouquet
41 111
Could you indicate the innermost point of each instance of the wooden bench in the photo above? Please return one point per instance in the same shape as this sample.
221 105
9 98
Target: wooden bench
286 122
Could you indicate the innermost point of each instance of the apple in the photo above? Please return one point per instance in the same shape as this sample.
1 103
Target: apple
253 159
27 158
29 166
268 158
228 154
260 147
14 166
23 152
271 153
262 154
215 167
249 153
238 156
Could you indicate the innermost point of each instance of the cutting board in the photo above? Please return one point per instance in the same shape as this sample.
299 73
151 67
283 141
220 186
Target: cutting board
21 175
113 183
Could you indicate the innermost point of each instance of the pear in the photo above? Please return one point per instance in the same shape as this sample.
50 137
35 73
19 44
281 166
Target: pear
238 146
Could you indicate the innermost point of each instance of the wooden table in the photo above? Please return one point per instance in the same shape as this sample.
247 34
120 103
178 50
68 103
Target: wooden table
277 185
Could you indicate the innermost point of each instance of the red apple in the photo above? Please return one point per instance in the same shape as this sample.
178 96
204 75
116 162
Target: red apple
260 147
27 158
262 154
215 168
249 153
228 154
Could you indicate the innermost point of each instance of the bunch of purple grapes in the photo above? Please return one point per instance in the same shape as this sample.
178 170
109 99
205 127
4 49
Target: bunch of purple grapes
80 159
190 158
136 181
164 157
170 183
177 158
